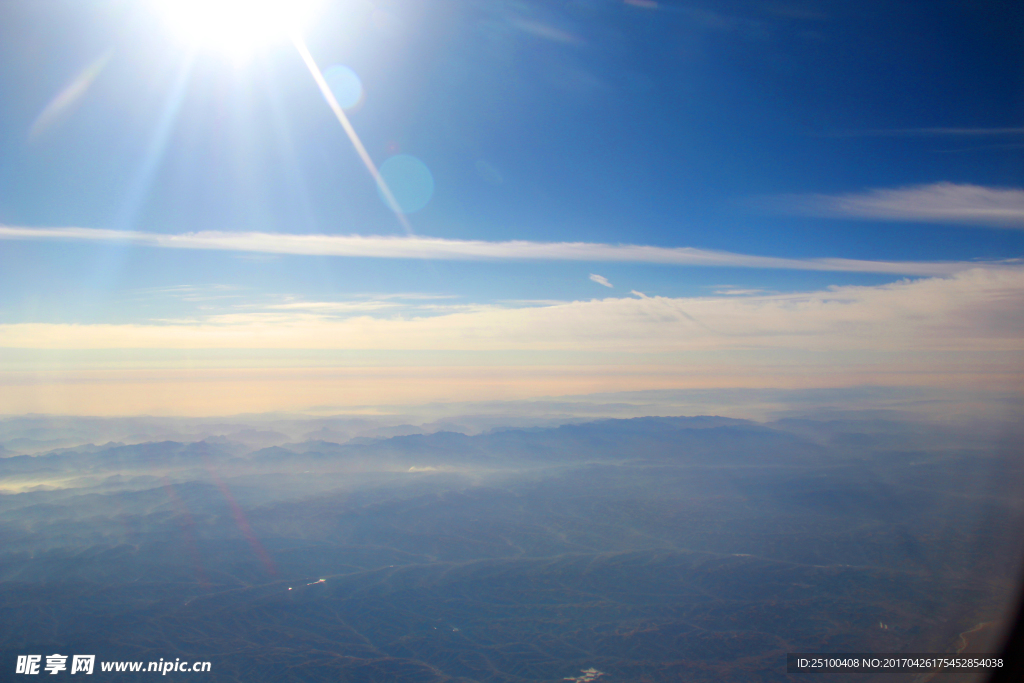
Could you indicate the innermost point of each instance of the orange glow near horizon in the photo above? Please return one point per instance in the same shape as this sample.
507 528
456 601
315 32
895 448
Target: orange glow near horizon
217 392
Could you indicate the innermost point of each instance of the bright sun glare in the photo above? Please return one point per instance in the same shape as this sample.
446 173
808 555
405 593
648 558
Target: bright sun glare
236 28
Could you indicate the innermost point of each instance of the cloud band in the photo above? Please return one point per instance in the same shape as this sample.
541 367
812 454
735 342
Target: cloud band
436 248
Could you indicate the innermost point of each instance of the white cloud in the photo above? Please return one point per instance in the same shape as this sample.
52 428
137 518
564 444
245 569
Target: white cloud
938 202
976 311
601 280
419 247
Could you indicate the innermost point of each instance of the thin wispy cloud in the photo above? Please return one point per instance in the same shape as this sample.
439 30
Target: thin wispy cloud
936 203
600 279
975 148
924 132
644 4
358 301
436 248
737 291
409 296
193 293
335 306
545 31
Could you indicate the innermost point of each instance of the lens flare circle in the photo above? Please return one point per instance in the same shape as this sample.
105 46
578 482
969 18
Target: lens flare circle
345 85
409 180
236 28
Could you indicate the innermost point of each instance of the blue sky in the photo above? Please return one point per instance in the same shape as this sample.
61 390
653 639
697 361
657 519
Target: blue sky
810 130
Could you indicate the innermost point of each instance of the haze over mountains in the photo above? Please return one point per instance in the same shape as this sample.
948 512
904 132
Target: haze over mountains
647 549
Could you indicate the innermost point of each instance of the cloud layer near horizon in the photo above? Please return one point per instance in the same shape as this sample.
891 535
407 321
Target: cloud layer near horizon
966 330
436 248
975 311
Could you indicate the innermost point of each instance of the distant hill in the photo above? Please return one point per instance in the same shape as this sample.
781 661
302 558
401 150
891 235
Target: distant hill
654 549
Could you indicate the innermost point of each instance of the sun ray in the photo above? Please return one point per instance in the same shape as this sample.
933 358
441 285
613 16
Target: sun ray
238 28
339 113
139 188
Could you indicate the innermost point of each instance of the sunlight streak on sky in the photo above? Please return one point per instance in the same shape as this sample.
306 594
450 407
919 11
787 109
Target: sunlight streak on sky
325 90
142 180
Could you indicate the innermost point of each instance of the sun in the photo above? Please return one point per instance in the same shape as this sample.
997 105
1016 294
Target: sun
236 28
